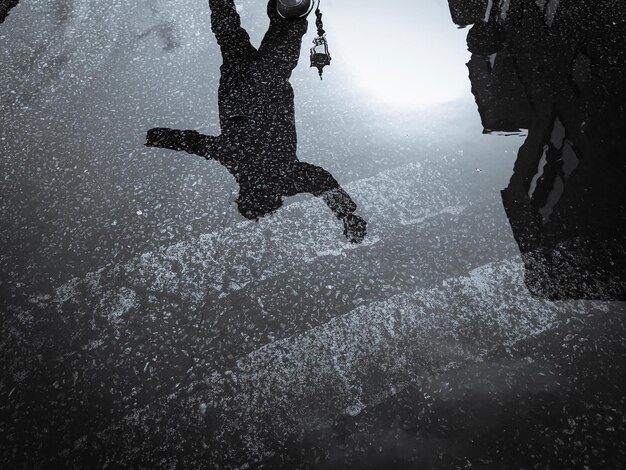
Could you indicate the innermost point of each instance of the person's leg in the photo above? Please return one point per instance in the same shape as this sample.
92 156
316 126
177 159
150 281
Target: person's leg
233 40
280 48
294 8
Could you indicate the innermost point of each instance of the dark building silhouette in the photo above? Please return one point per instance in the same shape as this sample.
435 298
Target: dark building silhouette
564 79
499 94
466 12
257 143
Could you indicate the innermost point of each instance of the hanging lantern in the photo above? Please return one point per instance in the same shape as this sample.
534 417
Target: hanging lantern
320 57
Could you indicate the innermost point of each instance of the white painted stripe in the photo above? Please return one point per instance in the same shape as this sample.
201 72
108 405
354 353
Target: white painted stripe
225 261
361 358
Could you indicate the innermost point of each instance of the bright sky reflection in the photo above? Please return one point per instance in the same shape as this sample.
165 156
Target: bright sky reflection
404 53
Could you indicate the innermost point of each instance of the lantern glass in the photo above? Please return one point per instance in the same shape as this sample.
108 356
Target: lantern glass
320 57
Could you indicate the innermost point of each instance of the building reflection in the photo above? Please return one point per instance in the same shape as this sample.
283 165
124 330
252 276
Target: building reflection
558 69
258 141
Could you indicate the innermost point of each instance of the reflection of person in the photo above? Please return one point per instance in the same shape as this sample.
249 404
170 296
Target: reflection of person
256 108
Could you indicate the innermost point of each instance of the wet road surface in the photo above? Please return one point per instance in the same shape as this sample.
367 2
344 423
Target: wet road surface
413 263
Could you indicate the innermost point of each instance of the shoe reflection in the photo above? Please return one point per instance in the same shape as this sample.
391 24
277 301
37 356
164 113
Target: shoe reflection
258 138
559 71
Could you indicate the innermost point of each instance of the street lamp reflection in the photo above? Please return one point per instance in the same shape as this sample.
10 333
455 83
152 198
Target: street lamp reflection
320 57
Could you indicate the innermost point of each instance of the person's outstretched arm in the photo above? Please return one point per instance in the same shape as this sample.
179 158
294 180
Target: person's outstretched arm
342 205
314 179
188 140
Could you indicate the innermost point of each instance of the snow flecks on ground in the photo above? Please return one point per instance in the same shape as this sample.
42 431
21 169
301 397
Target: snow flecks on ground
359 359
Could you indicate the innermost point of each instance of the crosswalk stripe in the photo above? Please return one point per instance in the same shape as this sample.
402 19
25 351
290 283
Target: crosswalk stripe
228 260
356 360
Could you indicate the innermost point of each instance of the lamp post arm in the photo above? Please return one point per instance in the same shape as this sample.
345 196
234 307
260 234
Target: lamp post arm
318 21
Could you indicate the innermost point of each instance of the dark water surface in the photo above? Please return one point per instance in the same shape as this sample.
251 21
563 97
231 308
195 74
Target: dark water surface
211 258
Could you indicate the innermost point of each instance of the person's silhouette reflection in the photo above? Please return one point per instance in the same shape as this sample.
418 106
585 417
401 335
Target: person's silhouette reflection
258 133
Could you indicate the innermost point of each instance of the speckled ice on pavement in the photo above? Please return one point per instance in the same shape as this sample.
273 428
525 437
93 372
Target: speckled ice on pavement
147 324
351 362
